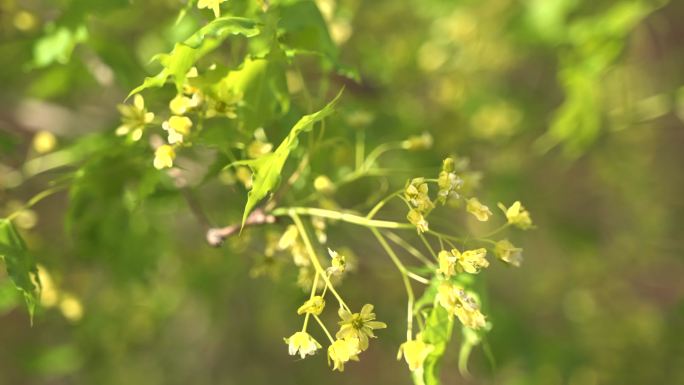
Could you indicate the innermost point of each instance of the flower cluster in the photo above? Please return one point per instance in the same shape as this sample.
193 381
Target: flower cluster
417 195
460 304
453 262
134 118
351 339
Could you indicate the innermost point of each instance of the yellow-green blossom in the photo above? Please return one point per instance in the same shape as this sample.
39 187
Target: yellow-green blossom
338 263
457 302
471 261
417 219
134 118
180 104
303 343
164 156
517 215
44 142
507 252
415 352
480 211
313 306
342 351
177 127
416 193
418 142
359 325
447 263
288 238
214 5
448 182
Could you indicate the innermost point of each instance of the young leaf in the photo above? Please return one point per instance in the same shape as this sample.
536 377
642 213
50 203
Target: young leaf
21 267
184 55
267 169
437 333
262 86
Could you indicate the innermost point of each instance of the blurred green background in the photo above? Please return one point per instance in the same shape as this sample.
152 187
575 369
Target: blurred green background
574 107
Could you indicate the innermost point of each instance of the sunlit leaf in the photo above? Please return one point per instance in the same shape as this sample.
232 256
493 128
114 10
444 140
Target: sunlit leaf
261 86
178 62
20 265
268 168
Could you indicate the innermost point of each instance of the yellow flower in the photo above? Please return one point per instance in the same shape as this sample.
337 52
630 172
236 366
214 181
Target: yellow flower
214 5
507 252
359 325
164 156
303 343
418 142
338 263
324 185
134 118
289 238
417 219
180 104
415 352
447 263
471 261
517 215
416 193
313 306
342 351
457 302
44 142
71 307
480 211
177 127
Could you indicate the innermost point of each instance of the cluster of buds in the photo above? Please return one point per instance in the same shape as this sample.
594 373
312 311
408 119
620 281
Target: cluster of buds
448 182
417 195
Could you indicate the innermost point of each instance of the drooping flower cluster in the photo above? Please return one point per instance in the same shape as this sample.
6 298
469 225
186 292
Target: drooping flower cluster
453 262
460 304
352 338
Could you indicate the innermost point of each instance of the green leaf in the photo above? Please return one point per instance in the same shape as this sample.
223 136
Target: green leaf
57 45
268 168
437 332
21 267
261 85
184 55
302 27
471 338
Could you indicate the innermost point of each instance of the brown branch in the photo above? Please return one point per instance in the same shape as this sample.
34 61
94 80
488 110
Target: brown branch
216 236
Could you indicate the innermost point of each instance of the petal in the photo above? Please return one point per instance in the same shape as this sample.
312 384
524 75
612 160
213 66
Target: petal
344 314
376 325
367 309
139 102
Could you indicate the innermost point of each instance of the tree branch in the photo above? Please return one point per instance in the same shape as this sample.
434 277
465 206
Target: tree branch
216 236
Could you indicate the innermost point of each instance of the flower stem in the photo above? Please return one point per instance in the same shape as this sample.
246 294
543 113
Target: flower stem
313 293
345 217
404 277
314 259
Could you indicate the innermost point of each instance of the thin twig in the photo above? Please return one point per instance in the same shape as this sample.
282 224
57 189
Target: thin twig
216 236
